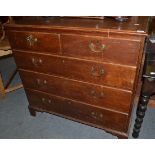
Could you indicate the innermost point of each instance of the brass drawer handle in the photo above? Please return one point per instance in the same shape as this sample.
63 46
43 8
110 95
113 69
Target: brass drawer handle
93 114
31 40
40 61
45 100
101 115
95 95
45 82
102 95
36 61
49 101
96 115
93 47
39 82
96 73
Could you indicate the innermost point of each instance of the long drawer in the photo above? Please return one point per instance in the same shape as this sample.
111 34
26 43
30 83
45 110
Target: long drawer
76 110
98 73
106 97
35 41
103 49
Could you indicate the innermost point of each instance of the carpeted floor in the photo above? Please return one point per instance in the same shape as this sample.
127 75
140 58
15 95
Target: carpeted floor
16 122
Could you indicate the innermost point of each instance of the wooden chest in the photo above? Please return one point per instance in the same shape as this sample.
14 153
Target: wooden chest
86 70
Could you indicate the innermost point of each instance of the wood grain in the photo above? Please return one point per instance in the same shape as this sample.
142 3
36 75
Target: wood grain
18 40
77 110
115 51
104 97
88 71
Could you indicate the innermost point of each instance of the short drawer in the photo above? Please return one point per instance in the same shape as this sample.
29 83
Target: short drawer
35 41
101 96
76 110
102 49
88 71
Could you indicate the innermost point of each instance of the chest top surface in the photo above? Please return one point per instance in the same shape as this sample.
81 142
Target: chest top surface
134 25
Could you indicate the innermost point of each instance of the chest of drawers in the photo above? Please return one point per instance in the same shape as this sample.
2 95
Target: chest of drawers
86 70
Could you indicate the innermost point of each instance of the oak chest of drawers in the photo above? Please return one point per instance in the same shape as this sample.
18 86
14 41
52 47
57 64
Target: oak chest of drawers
86 70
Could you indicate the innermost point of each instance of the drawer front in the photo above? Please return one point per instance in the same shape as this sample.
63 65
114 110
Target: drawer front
35 41
77 110
92 94
103 49
98 73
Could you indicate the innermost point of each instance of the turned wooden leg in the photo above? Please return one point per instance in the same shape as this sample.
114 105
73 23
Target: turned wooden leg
32 112
141 109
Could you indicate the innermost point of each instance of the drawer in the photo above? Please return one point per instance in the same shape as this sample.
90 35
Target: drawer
76 110
35 41
97 73
102 49
106 97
